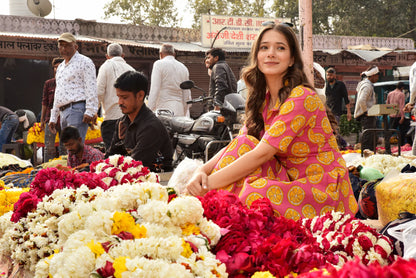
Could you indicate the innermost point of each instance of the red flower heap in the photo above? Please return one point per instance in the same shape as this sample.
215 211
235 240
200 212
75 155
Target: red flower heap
46 181
255 240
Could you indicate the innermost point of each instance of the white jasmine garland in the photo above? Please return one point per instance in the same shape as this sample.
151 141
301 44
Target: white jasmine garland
140 267
80 264
211 230
184 210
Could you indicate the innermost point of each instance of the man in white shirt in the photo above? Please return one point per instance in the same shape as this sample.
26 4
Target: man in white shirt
108 73
165 91
76 100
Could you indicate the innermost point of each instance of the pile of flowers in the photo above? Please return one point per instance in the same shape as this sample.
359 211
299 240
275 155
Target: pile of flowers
37 135
350 238
9 196
133 230
385 163
254 240
119 169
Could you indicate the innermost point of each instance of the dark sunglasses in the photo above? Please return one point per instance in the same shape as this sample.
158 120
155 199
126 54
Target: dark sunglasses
272 23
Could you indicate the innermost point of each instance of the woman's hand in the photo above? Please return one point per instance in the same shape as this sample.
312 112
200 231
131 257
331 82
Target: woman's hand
198 185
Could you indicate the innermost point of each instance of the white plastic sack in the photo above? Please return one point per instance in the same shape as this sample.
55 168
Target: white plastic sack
406 233
183 173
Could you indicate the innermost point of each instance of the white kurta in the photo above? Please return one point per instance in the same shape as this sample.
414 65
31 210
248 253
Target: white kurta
165 92
107 76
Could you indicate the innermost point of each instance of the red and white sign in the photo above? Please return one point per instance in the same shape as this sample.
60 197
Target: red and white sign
240 31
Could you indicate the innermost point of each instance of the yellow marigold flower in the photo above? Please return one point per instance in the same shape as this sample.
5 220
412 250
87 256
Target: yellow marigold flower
119 266
122 222
8 197
262 274
138 231
96 248
190 229
187 250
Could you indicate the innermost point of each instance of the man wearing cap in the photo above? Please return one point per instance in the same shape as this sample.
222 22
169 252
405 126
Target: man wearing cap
76 98
366 98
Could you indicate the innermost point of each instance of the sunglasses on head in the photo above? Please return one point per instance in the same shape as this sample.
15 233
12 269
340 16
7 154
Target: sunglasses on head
272 23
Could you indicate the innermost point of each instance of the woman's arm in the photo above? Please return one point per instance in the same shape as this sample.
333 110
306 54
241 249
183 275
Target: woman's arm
242 167
201 183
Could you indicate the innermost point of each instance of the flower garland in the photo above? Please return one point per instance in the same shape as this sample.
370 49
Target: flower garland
37 135
350 238
119 169
9 196
253 239
130 230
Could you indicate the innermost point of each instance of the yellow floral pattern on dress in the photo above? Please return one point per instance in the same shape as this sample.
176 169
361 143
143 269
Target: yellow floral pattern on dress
332 191
232 145
275 194
297 92
292 214
226 161
326 125
340 207
308 211
270 173
315 173
296 195
297 123
318 195
277 129
287 107
326 209
285 143
325 157
252 197
352 203
259 183
297 160
243 149
300 149
293 173
307 176
311 103
345 188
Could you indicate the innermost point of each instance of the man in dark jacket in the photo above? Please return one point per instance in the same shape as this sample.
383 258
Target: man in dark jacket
222 81
139 133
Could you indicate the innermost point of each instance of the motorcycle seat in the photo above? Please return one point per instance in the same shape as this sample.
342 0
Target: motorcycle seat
182 124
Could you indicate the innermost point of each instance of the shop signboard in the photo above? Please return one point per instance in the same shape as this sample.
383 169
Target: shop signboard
237 31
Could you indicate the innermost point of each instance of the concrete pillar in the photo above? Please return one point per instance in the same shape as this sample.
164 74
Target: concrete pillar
305 34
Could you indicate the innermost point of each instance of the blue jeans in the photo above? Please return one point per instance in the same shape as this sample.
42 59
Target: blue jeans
8 127
72 116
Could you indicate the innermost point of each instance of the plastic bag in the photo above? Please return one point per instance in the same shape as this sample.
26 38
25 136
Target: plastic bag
406 233
396 193
183 173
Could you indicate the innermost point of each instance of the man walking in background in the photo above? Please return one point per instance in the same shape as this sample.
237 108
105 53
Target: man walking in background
336 92
108 73
366 98
76 100
165 91
222 80
398 120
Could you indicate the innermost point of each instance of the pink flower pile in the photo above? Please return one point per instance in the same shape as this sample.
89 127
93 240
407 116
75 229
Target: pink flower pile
253 239
46 181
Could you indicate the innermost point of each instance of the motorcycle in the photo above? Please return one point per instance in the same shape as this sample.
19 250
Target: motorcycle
203 137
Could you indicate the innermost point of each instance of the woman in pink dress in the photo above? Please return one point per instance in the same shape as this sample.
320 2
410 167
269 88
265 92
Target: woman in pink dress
286 151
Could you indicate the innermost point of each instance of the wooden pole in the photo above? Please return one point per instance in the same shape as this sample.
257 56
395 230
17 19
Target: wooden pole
305 32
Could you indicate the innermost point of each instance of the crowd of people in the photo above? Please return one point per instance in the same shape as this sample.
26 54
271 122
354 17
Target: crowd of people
288 149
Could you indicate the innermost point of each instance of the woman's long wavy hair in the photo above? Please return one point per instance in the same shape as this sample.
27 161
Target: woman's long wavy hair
256 81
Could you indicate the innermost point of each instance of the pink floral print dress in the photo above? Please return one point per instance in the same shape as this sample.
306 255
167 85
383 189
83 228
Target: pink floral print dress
308 176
